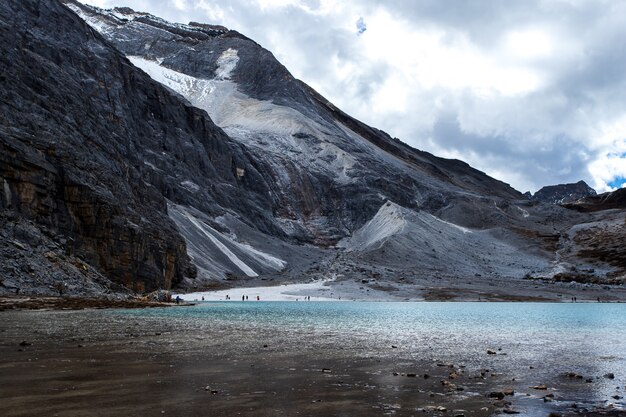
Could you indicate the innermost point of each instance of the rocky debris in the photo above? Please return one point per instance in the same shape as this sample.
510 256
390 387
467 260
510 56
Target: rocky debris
36 260
211 390
496 394
433 409
563 193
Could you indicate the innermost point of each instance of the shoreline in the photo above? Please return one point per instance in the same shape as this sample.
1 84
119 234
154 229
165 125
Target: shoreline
25 302
42 303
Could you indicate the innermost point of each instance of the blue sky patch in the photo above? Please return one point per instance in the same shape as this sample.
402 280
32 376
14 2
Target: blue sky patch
617 182
360 26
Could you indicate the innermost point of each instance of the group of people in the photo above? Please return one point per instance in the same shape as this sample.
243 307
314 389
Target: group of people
245 297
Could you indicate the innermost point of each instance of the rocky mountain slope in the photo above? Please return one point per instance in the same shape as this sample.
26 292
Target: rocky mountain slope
159 154
563 193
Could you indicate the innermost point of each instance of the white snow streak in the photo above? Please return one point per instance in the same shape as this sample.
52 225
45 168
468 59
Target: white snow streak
461 228
207 231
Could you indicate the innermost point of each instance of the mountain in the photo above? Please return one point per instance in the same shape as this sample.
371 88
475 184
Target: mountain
145 154
564 193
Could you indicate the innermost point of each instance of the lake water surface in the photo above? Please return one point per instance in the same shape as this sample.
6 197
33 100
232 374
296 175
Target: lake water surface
536 343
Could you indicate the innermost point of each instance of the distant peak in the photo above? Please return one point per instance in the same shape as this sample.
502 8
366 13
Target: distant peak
564 193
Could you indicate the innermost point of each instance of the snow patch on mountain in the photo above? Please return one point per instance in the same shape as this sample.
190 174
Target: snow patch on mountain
259 124
226 64
96 22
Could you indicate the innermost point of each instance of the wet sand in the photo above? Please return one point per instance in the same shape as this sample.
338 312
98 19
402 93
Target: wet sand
77 363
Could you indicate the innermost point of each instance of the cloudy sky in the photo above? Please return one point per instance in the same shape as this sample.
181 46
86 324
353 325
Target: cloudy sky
532 92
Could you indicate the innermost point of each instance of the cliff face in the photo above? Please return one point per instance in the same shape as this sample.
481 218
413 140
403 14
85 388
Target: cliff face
80 128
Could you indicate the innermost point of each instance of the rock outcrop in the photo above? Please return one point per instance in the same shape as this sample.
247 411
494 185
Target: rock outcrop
605 201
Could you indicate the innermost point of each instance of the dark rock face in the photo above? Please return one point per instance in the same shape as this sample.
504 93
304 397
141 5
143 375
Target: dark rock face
80 129
563 193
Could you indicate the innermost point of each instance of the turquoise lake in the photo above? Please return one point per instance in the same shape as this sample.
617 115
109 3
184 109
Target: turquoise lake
537 343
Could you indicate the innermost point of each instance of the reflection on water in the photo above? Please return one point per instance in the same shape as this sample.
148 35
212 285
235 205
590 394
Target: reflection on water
553 339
